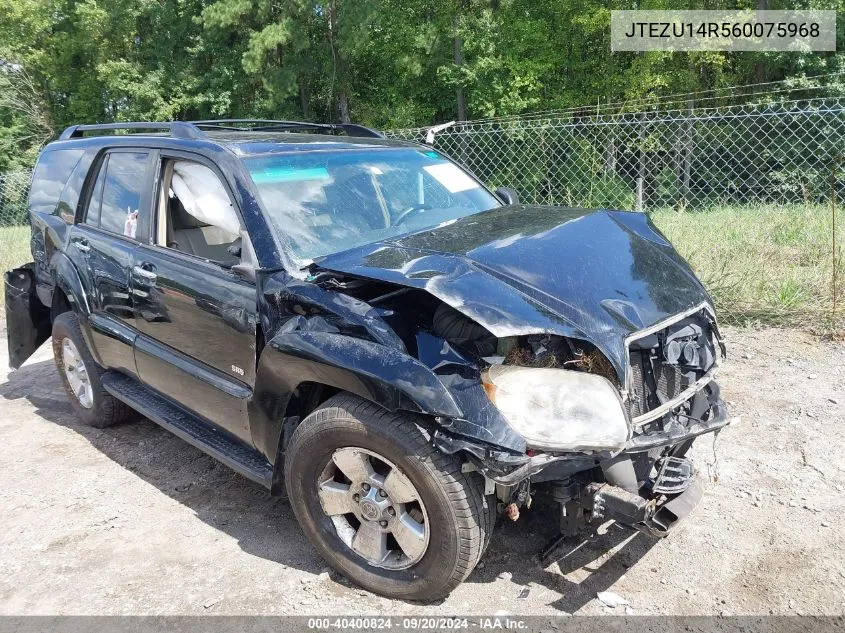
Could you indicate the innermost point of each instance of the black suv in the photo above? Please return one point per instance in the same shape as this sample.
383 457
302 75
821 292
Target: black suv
360 321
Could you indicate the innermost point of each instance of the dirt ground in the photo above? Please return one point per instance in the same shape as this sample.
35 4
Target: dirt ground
132 520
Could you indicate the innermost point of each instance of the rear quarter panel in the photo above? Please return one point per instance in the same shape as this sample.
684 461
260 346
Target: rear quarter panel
30 290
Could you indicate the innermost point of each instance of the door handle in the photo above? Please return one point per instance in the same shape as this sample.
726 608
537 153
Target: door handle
147 274
82 245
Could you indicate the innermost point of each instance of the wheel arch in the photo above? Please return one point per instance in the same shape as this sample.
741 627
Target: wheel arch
298 371
69 295
60 304
458 515
66 279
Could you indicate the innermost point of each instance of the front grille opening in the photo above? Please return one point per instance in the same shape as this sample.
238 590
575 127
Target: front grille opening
664 364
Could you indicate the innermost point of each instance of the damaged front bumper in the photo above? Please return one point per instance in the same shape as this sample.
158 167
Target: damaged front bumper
673 429
649 486
675 434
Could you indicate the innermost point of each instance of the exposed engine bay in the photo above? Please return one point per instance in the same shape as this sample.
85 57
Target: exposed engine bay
536 350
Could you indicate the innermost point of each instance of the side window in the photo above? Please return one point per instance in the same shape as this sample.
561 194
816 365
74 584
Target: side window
92 214
122 187
195 213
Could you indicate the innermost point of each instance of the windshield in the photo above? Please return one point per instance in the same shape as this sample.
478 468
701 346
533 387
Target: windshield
322 202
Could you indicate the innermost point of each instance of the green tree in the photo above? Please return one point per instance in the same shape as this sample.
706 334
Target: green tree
387 63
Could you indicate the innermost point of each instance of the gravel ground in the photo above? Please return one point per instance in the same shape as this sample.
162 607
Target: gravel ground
131 520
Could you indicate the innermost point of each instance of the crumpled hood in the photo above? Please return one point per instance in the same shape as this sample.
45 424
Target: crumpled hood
595 275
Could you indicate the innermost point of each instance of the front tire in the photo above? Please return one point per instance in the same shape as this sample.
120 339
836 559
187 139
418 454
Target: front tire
81 375
383 506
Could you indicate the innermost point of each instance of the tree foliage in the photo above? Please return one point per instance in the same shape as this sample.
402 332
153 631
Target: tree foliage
387 63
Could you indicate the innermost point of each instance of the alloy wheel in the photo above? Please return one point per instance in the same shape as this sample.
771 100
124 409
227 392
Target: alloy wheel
77 374
374 507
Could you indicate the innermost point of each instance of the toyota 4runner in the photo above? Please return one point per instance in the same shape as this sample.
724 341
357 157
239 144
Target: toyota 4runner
361 322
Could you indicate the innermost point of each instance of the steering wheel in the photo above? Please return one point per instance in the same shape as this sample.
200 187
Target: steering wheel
414 208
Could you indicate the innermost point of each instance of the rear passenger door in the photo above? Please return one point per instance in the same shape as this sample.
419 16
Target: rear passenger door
115 210
196 318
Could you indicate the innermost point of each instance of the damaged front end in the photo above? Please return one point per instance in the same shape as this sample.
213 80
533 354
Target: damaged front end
604 450
579 354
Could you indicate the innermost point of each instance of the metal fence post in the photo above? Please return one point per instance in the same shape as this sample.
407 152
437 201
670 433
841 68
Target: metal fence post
639 205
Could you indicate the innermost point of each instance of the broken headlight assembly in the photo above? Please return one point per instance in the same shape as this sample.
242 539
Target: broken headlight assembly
559 409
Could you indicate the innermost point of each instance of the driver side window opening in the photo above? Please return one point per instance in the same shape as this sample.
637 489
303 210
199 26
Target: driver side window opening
195 214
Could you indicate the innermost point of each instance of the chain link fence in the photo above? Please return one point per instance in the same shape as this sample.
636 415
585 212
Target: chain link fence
14 226
681 159
14 189
746 192
688 159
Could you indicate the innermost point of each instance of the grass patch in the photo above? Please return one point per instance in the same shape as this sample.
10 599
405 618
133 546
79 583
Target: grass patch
14 249
770 265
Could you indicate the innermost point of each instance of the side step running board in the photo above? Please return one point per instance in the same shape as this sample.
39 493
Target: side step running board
189 427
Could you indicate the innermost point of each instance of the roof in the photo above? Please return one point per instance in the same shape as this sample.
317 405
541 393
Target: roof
251 143
244 137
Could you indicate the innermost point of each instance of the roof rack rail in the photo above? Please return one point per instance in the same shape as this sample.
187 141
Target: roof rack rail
194 129
178 129
269 125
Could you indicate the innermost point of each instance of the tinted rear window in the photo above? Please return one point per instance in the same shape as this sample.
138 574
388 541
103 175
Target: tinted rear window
50 177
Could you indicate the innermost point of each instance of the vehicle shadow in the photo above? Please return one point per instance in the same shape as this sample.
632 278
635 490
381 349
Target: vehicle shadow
577 569
264 526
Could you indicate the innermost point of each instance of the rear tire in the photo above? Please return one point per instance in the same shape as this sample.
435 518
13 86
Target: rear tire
81 376
448 503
